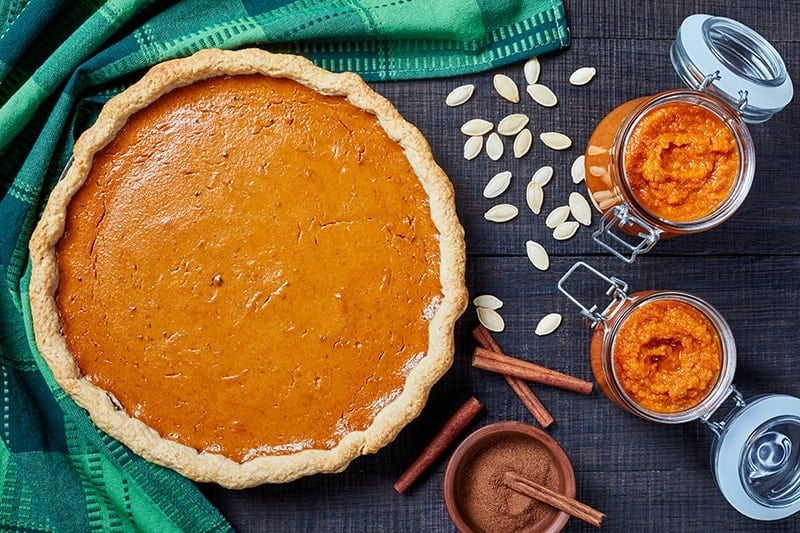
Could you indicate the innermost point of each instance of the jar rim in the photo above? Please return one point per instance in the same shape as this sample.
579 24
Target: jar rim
722 387
740 435
746 152
734 62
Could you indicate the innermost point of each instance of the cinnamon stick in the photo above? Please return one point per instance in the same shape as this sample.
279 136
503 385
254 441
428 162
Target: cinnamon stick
505 364
521 389
539 492
446 436
530 400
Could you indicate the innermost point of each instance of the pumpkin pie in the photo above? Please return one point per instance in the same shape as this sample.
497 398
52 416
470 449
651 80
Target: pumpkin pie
251 270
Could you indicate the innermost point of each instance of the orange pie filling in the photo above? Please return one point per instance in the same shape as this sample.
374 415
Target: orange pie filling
667 356
250 268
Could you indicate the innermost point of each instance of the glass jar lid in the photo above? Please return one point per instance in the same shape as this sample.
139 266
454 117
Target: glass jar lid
733 62
756 457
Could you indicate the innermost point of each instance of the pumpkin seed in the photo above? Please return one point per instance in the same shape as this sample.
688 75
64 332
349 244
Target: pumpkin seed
494 146
491 319
501 213
522 143
497 185
543 175
600 196
596 150
532 69
605 199
607 204
488 301
557 216
580 208
565 230
506 87
538 255
459 95
473 147
534 195
476 127
582 76
555 140
578 170
542 95
597 171
548 324
512 124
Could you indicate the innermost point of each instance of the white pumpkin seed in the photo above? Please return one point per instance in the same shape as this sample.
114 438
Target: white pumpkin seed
506 87
548 324
543 175
522 143
605 205
473 147
603 195
597 171
501 213
557 216
497 185
582 76
532 69
565 230
596 150
512 124
494 146
459 95
555 140
538 255
580 208
578 170
534 195
488 301
542 95
476 127
491 319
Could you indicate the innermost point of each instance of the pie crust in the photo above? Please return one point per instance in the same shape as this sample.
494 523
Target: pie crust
208 466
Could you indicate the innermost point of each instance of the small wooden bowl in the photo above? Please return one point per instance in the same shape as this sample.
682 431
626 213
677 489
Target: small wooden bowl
482 440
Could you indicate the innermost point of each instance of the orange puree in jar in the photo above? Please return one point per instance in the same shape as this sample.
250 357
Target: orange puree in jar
667 356
681 161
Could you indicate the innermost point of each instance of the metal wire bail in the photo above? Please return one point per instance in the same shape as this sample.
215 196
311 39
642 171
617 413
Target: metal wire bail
617 290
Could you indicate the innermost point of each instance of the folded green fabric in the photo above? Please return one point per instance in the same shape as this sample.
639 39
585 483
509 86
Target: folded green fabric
57 67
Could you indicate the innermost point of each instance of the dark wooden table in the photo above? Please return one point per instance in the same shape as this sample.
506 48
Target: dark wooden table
644 476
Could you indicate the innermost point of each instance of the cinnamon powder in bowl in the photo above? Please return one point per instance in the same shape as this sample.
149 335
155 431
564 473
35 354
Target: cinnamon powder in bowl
475 495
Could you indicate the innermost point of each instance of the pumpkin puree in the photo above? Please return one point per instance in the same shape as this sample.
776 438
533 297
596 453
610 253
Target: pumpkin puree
667 356
681 161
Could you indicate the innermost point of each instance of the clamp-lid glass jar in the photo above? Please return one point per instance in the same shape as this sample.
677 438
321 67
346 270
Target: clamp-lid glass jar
670 357
682 161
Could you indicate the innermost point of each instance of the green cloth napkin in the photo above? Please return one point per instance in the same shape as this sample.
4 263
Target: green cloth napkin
59 62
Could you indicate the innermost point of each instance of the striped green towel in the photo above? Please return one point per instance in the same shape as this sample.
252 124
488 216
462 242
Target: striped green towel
59 62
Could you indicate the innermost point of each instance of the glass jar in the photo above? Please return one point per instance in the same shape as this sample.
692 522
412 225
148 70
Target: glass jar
755 455
683 161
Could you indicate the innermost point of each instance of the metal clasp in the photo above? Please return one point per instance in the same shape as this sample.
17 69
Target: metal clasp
708 79
620 217
719 427
617 290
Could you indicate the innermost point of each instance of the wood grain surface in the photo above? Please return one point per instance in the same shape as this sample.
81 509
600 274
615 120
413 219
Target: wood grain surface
644 476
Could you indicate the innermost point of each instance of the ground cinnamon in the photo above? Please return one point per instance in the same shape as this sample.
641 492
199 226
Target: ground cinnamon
487 503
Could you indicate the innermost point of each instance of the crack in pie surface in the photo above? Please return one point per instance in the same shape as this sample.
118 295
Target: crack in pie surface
251 270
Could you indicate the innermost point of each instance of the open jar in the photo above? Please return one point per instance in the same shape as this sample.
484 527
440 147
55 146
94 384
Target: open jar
670 357
683 161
